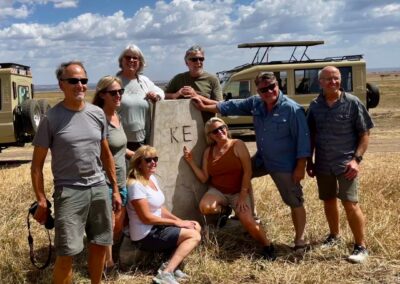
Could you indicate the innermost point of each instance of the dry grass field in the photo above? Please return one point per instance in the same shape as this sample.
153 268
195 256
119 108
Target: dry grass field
230 256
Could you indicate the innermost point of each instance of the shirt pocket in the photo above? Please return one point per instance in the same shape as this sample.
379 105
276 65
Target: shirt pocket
280 127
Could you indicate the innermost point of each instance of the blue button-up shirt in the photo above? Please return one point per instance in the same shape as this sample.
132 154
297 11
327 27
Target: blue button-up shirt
282 135
337 130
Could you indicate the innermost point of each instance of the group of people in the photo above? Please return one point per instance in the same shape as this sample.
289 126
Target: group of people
104 170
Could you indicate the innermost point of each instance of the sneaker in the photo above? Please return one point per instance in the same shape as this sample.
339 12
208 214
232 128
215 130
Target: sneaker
268 253
331 241
226 211
359 255
178 274
164 278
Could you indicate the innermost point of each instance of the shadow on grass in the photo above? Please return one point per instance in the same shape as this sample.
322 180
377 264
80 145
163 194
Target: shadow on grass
8 164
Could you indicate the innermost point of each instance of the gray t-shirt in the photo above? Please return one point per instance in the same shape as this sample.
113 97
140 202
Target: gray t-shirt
74 139
117 143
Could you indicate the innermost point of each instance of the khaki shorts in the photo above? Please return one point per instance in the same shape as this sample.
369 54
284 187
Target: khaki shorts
331 186
229 199
80 209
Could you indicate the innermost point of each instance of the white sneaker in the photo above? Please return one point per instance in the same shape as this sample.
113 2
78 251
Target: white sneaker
359 255
164 278
178 274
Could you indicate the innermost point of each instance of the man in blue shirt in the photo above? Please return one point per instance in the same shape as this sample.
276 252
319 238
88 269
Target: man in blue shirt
339 125
283 142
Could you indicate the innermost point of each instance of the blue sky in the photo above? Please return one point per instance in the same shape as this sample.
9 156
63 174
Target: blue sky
44 33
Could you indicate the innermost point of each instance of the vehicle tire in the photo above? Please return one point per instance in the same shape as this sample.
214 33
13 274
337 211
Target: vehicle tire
372 95
31 116
44 106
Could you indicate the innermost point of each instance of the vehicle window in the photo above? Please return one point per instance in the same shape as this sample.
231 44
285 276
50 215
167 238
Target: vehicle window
281 77
237 90
307 80
23 93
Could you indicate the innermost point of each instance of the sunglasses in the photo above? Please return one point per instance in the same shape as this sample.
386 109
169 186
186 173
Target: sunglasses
113 93
218 129
271 87
74 81
151 159
128 58
195 59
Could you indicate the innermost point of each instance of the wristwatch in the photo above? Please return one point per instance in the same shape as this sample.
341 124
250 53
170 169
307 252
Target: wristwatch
358 158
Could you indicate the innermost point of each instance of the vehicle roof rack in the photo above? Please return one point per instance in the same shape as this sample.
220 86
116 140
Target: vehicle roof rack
14 65
269 45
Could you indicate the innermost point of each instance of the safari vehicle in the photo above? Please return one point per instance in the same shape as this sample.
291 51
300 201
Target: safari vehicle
297 77
20 113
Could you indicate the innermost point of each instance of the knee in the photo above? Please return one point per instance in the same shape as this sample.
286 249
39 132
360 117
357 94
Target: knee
195 236
197 226
350 206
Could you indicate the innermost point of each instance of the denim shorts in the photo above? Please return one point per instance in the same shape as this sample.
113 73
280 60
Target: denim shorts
160 238
80 209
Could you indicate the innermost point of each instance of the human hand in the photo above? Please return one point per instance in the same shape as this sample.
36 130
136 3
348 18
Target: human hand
187 92
241 204
186 224
152 96
41 212
298 174
198 103
116 201
187 154
351 170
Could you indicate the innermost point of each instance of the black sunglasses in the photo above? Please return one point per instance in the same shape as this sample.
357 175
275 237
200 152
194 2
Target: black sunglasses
150 159
74 81
128 57
271 87
195 59
113 93
218 129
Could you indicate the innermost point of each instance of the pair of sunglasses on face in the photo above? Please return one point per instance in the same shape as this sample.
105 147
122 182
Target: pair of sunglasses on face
218 129
74 81
129 58
195 59
151 159
113 93
270 87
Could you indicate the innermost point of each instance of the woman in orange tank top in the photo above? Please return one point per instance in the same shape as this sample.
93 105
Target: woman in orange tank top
227 169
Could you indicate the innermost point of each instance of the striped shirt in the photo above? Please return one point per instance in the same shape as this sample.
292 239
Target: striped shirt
336 131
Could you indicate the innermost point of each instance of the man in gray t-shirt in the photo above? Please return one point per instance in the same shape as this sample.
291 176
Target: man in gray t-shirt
76 132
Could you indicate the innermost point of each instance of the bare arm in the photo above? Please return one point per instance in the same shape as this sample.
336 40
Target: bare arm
352 168
203 105
109 166
38 159
201 173
243 154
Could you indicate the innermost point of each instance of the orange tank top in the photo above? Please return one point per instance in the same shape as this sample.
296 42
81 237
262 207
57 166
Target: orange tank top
226 172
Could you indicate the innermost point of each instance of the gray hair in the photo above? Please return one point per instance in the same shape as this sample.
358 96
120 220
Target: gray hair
135 50
61 68
264 76
193 49
325 68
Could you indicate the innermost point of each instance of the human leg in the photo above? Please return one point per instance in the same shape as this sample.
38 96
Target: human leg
356 220
299 222
96 260
212 202
252 227
62 273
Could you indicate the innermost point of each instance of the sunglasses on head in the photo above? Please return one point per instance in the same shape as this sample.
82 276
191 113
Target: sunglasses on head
74 81
195 59
218 129
113 93
150 159
271 87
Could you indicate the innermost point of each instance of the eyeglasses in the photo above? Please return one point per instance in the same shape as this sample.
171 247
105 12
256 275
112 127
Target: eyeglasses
195 59
113 93
218 129
74 81
151 159
129 58
271 87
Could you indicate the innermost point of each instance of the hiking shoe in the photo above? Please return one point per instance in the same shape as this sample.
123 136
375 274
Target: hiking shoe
331 241
226 211
359 255
268 253
178 274
164 278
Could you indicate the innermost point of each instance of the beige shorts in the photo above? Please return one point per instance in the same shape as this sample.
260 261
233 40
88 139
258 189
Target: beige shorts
229 199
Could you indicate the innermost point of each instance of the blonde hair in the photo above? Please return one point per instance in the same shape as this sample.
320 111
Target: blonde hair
207 129
101 86
135 173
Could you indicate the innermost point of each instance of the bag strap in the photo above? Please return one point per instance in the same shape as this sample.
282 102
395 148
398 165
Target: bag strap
31 250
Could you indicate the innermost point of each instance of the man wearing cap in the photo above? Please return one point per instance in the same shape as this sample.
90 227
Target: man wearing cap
283 142
196 81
